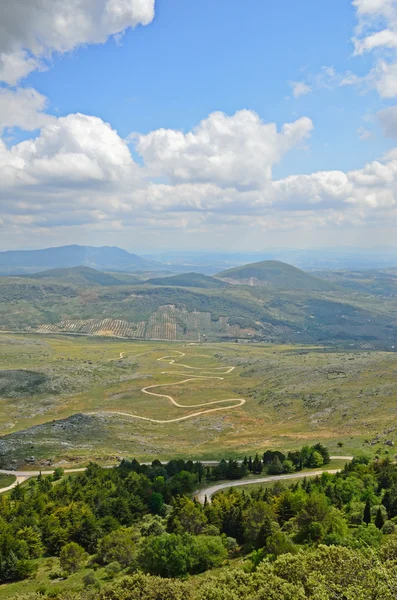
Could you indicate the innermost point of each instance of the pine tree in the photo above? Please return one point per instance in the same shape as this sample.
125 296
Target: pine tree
367 512
250 464
257 465
379 520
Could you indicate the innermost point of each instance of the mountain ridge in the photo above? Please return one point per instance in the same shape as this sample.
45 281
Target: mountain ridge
101 258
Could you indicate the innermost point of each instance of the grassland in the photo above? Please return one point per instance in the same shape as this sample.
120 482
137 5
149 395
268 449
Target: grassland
6 480
294 395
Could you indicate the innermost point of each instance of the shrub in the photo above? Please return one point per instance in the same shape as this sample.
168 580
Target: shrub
72 557
89 579
112 569
388 527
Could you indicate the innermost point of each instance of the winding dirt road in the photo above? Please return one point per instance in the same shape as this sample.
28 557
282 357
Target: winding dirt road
171 360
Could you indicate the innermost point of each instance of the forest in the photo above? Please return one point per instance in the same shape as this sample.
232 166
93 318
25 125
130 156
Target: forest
327 537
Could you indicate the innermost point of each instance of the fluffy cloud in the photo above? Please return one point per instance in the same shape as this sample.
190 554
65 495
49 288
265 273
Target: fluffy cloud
377 30
22 108
78 172
70 151
237 150
31 30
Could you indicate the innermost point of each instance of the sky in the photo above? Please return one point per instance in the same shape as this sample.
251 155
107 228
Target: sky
174 124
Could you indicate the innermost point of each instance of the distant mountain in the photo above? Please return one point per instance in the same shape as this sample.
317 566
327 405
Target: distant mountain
83 276
195 280
274 274
103 258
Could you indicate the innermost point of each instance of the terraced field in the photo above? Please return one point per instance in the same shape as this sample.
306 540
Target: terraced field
167 323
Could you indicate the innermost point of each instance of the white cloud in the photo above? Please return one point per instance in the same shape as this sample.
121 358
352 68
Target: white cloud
31 30
15 66
377 30
72 150
388 120
300 88
22 108
235 150
78 173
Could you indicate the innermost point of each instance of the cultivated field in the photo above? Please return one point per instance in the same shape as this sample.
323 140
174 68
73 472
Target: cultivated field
65 398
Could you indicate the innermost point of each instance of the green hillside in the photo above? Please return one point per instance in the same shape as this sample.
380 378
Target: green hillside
379 282
196 280
80 276
191 307
275 274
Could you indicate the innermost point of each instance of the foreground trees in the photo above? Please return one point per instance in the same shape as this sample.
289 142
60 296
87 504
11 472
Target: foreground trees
330 537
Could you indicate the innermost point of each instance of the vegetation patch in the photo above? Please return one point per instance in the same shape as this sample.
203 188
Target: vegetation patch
21 383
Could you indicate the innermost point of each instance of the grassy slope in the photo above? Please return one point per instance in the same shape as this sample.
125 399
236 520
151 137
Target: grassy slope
295 395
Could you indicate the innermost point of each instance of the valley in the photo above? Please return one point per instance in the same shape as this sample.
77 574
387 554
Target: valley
70 399
105 364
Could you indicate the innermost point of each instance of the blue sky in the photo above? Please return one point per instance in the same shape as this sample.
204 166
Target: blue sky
114 176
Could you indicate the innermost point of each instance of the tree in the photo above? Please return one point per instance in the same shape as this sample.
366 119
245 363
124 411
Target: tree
288 466
250 464
58 473
117 546
157 503
32 538
257 465
206 552
316 460
166 555
367 512
72 557
324 453
276 466
279 543
379 520
187 516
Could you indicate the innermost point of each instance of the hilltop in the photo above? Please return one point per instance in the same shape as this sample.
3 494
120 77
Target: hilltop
196 280
275 274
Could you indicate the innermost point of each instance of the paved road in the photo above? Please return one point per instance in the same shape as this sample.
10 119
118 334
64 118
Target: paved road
22 476
210 491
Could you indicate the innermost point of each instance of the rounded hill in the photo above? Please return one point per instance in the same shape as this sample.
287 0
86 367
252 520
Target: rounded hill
276 274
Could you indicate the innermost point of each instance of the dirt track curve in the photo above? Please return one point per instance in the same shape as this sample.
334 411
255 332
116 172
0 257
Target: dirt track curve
171 360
